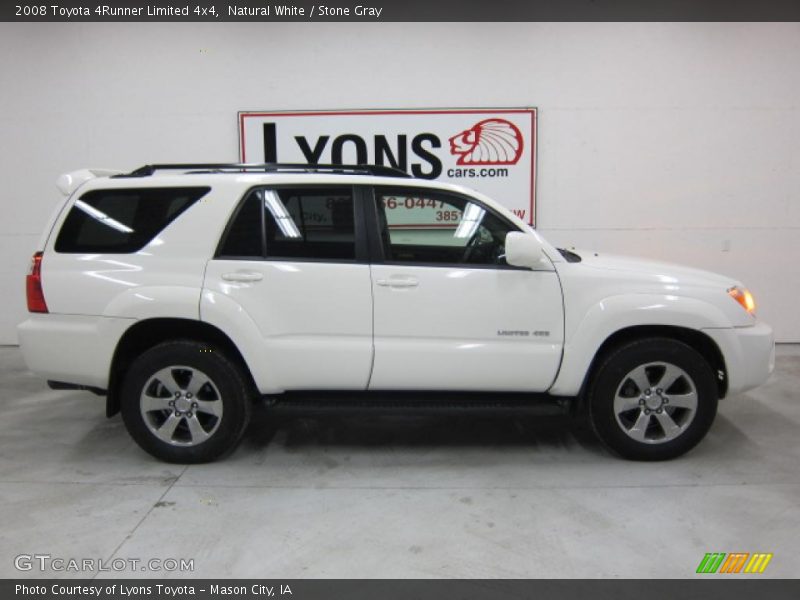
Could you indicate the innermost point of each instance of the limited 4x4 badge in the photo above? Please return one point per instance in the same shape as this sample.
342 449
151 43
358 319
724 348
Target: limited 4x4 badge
522 333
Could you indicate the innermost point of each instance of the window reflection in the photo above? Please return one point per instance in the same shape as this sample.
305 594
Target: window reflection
281 216
101 217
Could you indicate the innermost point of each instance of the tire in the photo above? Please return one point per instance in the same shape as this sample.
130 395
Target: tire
185 402
669 416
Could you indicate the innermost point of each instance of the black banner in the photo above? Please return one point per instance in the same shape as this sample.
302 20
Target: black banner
405 10
386 589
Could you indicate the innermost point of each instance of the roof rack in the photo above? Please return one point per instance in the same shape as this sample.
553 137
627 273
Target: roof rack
379 170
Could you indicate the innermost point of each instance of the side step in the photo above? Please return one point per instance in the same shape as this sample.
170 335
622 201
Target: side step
417 403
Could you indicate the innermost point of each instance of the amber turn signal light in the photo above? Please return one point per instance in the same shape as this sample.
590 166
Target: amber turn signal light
744 298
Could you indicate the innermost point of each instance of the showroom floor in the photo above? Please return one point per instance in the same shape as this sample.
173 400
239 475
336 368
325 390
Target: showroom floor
389 497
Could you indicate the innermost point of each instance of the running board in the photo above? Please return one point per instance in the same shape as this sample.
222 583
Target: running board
417 403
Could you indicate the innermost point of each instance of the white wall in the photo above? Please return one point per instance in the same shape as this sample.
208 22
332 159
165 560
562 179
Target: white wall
673 141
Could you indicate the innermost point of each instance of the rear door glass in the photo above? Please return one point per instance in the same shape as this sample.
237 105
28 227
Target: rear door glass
308 223
122 221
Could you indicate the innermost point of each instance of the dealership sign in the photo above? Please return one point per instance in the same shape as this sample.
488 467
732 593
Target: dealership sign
490 150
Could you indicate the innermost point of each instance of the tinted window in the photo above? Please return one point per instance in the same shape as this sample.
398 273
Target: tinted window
302 223
243 237
310 223
424 226
122 221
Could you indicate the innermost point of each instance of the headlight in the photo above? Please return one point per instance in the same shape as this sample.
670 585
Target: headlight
744 298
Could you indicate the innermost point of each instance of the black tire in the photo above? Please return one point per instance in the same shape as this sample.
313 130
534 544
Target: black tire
629 422
220 407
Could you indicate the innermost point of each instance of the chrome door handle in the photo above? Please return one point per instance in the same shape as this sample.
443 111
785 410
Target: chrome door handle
246 276
405 282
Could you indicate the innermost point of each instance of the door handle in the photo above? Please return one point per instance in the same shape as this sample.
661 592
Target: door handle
245 276
398 282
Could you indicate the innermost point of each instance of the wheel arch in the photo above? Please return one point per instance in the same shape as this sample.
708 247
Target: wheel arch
148 333
695 339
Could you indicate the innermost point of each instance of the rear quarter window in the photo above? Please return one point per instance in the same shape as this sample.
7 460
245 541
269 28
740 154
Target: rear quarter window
122 221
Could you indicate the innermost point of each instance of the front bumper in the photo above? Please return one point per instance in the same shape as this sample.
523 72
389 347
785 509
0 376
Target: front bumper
749 354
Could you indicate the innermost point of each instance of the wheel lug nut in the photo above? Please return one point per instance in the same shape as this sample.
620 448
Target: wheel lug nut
172 402
658 391
647 411
177 394
660 410
189 395
666 400
194 404
641 402
647 392
189 414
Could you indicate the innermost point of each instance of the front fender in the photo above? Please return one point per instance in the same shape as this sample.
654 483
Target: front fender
615 313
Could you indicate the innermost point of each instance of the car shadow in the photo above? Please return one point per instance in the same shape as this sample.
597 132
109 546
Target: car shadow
298 432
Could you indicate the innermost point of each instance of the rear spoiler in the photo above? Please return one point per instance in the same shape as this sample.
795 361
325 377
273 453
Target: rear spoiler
69 182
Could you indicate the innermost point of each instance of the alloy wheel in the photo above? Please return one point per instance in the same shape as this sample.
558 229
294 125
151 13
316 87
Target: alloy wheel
181 405
655 402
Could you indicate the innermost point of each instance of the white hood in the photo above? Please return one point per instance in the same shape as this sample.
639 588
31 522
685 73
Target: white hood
656 271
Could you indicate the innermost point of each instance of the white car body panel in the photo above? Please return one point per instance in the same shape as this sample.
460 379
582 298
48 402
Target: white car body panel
72 348
443 333
604 295
313 320
749 354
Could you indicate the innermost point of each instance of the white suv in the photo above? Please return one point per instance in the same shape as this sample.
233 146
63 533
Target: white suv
185 292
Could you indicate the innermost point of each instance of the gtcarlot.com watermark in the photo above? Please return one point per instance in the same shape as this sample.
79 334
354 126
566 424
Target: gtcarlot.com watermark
47 562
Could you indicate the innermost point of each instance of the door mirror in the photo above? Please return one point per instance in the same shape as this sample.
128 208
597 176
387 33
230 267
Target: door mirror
523 250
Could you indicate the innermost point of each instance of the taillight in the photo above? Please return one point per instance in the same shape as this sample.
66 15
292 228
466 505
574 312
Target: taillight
33 286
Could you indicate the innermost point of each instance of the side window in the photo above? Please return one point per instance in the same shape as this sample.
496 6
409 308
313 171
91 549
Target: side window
427 226
243 238
304 223
122 221
311 223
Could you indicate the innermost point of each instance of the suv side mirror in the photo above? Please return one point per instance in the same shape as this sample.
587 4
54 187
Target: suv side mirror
523 250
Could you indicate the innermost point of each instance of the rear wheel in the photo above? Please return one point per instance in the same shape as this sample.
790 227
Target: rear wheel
185 402
653 399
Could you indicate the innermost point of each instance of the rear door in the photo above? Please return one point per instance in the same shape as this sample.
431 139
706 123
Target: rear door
294 259
450 313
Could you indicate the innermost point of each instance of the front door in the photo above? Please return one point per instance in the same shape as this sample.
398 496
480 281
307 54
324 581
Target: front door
450 314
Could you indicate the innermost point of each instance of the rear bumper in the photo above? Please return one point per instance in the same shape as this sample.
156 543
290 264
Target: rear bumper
73 349
749 354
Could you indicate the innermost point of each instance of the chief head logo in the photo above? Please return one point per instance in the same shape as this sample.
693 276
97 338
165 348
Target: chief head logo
489 142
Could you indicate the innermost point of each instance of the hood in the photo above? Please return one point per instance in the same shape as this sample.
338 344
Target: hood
656 271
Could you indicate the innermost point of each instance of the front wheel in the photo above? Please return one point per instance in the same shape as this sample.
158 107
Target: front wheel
185 402
653 399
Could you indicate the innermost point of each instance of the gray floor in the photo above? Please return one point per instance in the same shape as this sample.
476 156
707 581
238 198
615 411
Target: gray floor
380 497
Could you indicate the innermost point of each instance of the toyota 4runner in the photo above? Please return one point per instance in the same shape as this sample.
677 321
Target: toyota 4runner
183 293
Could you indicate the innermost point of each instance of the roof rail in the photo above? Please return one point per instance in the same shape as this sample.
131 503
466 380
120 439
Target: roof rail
379 170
